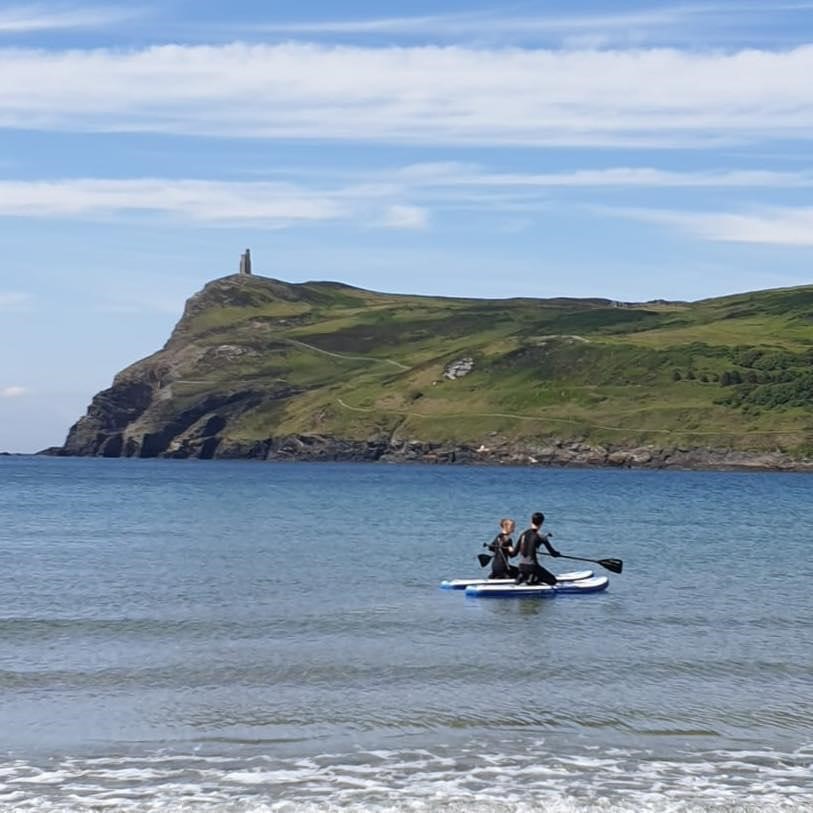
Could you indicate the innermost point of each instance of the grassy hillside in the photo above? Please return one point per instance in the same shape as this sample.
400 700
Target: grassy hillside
323 358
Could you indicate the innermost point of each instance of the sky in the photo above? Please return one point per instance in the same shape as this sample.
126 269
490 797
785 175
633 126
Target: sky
631 151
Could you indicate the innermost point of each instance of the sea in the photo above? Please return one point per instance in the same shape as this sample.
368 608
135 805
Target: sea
246 636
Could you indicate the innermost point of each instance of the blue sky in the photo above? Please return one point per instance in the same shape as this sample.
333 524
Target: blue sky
632 151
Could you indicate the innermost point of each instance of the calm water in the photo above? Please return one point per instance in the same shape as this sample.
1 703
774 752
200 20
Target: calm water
242 636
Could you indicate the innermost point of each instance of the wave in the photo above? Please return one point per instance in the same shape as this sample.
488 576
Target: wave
471 779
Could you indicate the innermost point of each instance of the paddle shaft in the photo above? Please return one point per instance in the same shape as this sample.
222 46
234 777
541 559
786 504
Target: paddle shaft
484 559
614 565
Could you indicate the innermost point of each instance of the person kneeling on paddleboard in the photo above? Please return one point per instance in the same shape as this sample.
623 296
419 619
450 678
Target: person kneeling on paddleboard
530 571
503 549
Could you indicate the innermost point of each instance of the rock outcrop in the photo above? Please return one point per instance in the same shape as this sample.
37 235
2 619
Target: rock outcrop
153 409
459 368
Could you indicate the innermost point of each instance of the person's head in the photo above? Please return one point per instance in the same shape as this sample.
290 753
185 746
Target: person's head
537 519
507 525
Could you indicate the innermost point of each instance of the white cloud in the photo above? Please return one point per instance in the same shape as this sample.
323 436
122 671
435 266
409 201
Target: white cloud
784 227
396 198
445 174
11 299
269 205
13 392
194 200
32 18
399 216
778 226
442 95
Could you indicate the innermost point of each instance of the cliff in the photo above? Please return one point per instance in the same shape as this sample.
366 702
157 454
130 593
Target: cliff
260 368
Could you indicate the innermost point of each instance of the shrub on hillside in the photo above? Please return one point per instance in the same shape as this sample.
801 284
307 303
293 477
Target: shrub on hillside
797 392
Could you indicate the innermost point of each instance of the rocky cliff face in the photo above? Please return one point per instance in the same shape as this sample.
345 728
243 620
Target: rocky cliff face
143 414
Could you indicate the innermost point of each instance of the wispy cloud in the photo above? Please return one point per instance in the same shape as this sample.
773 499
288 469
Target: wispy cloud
13 392
776 226
399 216
489 22
13 299
471 24
425 95
399 198
269 205
445 174
195 200
32 18
381 25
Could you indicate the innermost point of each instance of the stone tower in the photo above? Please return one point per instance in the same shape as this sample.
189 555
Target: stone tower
245 263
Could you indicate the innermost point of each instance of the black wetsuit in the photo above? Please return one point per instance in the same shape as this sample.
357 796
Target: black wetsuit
530 571
503 549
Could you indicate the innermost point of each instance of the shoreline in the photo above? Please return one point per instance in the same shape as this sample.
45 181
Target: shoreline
551 454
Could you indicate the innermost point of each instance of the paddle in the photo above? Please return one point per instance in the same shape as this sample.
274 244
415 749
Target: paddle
613 565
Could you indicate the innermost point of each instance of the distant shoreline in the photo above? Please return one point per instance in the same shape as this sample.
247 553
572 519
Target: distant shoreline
560 454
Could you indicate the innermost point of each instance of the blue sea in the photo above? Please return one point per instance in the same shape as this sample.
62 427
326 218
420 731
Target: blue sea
242 636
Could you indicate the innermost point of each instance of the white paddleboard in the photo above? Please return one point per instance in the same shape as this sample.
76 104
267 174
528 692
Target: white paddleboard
462 584
593 585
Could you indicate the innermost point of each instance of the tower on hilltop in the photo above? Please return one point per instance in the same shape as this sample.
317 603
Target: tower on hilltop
245 263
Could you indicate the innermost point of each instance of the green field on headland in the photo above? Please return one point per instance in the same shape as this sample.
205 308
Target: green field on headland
255 359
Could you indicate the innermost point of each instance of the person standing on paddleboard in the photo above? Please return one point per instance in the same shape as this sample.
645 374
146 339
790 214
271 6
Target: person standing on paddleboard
503 549
530 571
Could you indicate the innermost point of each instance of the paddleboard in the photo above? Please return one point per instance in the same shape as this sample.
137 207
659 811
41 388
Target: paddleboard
593 585
462 584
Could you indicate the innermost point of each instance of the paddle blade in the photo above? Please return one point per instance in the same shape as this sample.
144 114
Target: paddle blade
613 565
483 558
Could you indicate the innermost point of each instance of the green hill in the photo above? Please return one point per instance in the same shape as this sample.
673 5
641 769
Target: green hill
262 368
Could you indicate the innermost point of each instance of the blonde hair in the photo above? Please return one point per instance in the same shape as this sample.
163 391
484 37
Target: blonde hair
506 521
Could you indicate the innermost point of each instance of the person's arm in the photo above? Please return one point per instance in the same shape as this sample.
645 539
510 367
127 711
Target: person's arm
546 542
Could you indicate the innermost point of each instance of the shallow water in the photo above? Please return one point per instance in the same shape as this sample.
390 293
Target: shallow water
247 636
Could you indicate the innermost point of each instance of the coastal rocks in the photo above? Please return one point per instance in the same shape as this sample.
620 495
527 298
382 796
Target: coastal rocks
99 432
734 460
578 454
305 448
416 451
632 457
557 454
206 437
319 447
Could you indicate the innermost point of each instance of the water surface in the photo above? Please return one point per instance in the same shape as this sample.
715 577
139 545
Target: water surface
249 636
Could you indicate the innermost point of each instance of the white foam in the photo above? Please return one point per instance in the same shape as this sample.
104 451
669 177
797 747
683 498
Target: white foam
259 777
618 781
